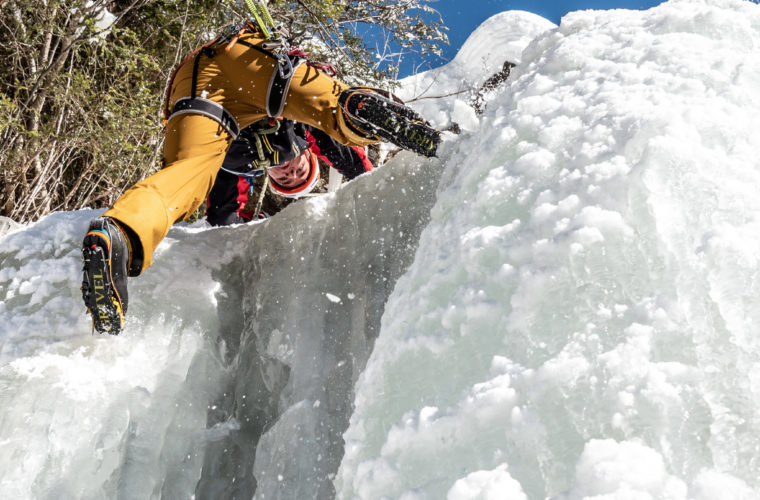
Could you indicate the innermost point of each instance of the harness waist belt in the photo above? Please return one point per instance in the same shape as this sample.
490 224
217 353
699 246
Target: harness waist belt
209 108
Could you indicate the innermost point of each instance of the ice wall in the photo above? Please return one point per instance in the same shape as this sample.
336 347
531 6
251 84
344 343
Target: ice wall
442 95
581 316
85 416
312 287
235 372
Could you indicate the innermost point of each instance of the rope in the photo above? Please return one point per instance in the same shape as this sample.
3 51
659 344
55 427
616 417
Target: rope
263 26
263 193
263 130
266 13
259 146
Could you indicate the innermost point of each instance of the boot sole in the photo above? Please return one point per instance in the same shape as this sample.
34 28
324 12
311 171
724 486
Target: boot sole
392 122
100 296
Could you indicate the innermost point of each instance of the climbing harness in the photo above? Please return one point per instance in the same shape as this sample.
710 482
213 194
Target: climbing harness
279 83
261 131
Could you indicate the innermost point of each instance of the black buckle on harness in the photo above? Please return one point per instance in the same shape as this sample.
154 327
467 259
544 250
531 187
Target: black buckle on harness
285 66
279 84
208 108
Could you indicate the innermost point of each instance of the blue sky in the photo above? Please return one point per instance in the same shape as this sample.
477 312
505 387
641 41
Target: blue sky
463 16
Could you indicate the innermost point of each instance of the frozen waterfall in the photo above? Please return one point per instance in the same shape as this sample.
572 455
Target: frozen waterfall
565 304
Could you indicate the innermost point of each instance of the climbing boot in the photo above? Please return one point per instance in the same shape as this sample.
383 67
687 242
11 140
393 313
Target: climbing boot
374 113
106 256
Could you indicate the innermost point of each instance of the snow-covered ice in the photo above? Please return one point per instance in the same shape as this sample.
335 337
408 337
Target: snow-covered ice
563 305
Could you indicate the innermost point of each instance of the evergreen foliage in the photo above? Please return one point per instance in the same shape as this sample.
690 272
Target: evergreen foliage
334 31
82 83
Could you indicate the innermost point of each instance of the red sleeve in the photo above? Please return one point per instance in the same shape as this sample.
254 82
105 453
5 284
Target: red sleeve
314 148
243 187
363 157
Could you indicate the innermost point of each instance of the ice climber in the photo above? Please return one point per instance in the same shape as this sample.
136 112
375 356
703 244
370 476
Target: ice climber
238 79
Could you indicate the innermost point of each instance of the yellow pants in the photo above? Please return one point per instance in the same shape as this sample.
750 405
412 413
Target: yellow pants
195 145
